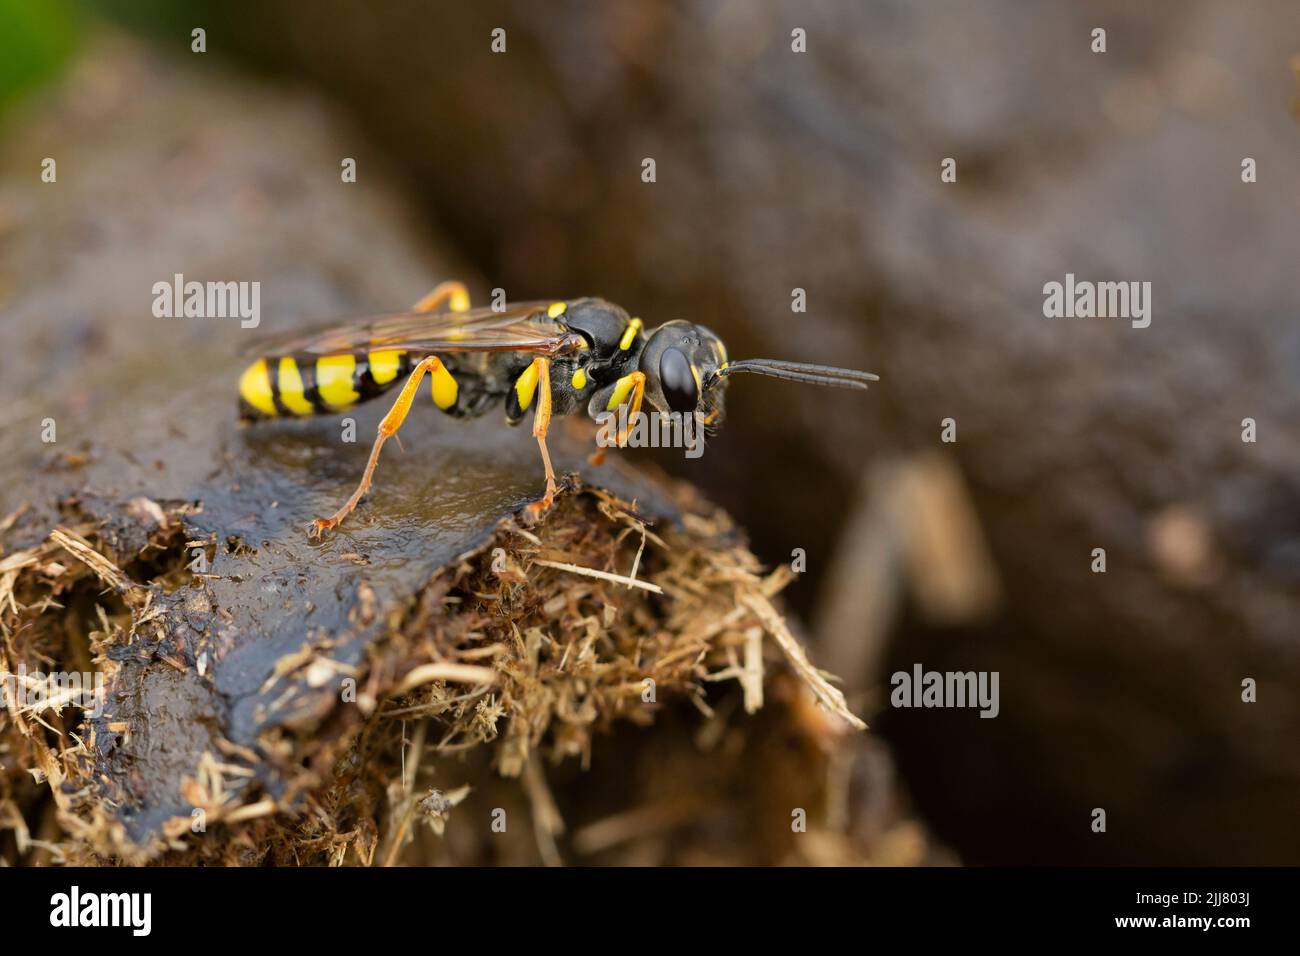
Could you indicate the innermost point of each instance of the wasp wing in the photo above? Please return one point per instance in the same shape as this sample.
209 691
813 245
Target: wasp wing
521 328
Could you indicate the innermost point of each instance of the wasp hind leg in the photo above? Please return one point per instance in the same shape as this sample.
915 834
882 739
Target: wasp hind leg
387 429
454 294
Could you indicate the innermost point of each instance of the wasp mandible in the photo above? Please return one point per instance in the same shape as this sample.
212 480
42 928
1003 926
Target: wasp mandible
557 358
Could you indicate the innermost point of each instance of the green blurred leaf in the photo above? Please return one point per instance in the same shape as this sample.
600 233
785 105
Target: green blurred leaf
37 37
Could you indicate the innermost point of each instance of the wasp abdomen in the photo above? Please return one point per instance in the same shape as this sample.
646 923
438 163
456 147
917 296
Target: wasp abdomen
324 384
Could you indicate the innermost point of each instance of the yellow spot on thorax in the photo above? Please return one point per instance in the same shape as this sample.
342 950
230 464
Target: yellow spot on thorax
334 375
580 379
292 392
526 386
255 387
557 309
629 334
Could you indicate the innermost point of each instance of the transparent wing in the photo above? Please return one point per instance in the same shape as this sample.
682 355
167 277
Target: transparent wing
522 328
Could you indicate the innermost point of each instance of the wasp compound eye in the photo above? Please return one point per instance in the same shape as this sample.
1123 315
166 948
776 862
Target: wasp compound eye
677 381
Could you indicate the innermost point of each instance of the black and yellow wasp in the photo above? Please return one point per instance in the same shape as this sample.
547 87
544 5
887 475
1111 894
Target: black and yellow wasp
560 356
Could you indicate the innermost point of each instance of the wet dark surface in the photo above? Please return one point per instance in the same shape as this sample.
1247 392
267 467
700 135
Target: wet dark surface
274 593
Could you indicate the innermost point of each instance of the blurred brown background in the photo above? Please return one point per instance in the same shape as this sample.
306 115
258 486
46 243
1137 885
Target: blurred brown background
779 170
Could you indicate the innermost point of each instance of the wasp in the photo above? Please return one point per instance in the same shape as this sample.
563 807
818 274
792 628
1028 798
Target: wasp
556 358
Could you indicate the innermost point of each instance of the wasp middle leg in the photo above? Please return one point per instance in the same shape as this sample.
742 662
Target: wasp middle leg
541 424
456 297
387 429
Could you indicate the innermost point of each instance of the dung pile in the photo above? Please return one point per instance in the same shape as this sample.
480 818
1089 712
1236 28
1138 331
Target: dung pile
595 688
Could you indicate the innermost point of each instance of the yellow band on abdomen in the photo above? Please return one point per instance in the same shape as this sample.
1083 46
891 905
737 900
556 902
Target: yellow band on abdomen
334 376
292 393
255 387
385 364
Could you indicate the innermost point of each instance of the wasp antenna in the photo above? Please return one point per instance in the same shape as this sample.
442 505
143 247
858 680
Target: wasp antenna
827 375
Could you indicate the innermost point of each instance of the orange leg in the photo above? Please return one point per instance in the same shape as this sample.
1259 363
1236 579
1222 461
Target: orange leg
541 424
638 393
634 406
453 293
387 429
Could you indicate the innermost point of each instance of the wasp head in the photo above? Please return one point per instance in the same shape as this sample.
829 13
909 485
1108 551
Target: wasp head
681 361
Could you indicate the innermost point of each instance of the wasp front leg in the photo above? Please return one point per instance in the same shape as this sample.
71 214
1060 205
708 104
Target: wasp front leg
387 429
633 383
627 391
